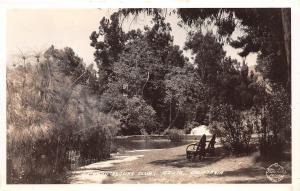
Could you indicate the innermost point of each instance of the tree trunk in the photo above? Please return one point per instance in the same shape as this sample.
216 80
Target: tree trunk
170 117
173 121
148 76
286 25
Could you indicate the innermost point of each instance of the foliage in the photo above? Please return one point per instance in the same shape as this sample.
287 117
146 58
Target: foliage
270 38
47 111
209 54
126 88
145 85
185 90
226 80
139 71
278 111
150 67
140 68
137 117
108 42
259 37
275 129
229 124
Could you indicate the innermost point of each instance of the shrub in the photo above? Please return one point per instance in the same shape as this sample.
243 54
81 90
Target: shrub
274 133
95 143
136 116
229 124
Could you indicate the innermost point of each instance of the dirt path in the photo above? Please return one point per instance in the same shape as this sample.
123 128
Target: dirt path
171 166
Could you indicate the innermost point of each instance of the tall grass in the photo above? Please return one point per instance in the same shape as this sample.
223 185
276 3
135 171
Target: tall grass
49 116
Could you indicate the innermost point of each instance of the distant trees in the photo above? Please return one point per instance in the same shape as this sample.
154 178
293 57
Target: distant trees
230 90
184 93
138 75
148 66
108 49
270 37
181 95
208 54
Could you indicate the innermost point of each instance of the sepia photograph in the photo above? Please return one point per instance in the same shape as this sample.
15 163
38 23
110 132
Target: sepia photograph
148 96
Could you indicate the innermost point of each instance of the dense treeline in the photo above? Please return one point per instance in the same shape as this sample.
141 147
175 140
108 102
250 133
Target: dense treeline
270 38
147 67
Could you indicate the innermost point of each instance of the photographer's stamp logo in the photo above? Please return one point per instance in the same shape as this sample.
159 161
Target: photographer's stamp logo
275 172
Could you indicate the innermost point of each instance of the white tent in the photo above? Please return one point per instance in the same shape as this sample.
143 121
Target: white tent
200 130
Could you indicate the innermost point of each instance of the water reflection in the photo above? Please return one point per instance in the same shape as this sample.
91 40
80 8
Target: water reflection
129 144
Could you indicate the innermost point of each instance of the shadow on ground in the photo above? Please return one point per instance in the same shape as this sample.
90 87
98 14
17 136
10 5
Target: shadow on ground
255 175
250 172
181 161
258 173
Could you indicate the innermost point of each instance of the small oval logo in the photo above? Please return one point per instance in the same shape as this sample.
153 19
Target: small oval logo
275 172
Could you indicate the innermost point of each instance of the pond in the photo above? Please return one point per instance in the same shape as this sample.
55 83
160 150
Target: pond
147 144
129 144
137 143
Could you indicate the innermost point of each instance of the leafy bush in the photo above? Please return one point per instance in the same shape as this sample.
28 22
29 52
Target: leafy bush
275 124
138 116
135 115
229 124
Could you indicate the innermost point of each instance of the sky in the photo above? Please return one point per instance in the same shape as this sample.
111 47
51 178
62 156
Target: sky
34 30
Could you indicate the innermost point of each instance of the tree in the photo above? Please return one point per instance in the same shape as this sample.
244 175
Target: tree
137 117
275 129
272 34
270 37
140 71
108 49
228 123
209 54
184 92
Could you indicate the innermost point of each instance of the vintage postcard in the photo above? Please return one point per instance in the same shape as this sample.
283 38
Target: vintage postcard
195 95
